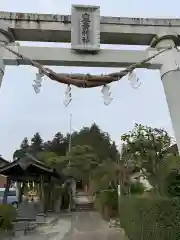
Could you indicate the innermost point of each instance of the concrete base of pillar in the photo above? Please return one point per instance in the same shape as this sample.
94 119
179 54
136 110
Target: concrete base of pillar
57 206
19 233
20 228
41 218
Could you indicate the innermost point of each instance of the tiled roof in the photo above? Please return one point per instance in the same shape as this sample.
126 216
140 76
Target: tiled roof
3 161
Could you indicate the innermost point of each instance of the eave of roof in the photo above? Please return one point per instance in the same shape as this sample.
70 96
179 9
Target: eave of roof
3 160
32 161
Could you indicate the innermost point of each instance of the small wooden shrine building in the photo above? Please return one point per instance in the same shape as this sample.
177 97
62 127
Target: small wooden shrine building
28 170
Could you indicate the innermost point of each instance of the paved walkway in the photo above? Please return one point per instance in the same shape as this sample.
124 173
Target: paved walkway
90 226
77 226
54 231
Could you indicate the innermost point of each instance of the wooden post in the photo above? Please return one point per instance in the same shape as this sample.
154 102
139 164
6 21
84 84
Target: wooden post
51 193
42 190
21 191
8 183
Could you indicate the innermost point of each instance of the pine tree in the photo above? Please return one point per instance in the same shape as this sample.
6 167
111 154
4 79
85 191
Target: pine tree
36 143
25 144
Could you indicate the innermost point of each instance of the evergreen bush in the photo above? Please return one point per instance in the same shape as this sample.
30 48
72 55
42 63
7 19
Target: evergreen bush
150 218
7 215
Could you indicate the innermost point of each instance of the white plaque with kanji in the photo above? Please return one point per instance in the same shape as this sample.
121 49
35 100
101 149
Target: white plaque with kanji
85 28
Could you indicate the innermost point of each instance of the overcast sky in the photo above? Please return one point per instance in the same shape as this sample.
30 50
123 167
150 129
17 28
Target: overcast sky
22 112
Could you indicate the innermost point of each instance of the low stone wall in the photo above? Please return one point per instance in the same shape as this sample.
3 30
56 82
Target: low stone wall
6 235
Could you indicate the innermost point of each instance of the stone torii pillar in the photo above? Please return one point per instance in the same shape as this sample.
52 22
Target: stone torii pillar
170 76
5 37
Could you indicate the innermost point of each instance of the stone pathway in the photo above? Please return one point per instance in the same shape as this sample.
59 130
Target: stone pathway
76 226
57 231
90 226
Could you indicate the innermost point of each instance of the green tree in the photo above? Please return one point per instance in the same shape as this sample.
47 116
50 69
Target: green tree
59 144
24 148
98 140
92 136
48 158
25 144
80 162
36 144
146 148
104 176
109 174
47 146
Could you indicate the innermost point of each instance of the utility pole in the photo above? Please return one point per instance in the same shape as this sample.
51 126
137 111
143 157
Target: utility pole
70 133
119 181
71 195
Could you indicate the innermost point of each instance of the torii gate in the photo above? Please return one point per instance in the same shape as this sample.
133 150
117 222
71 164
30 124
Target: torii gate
85 29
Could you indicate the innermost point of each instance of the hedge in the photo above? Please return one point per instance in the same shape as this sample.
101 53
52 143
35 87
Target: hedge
7 214
150 218
109 197
106 203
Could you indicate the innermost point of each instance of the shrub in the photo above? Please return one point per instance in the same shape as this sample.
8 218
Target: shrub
7 214
106 203
137 188
150 219
109 198
171 185
98 205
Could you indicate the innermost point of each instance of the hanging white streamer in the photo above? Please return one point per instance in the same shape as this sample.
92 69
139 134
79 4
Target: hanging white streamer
106 95
68 97
38 81
134 80
36 88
